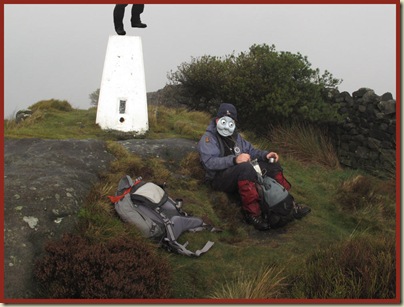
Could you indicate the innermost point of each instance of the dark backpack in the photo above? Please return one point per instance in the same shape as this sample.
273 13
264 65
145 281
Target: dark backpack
275 201
147 206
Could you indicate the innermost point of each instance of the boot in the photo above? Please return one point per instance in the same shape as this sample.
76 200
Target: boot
256 221
138 24
118 14
120 31
300 211
251 208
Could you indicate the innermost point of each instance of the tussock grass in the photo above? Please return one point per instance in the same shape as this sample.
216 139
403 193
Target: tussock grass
363 266
304 143
358 192
99 221
369 200
177 122
56 120
389 165
191 166
268 282
35 118
9 124
55 104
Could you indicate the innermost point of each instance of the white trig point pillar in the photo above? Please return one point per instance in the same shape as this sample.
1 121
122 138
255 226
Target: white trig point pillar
122 103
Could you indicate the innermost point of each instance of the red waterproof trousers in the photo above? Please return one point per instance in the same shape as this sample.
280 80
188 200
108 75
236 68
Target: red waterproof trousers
249 197
241 178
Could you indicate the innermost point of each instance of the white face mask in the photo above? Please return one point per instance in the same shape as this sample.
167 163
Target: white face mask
225 126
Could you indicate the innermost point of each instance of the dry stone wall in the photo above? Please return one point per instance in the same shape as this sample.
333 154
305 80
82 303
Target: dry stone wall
367 137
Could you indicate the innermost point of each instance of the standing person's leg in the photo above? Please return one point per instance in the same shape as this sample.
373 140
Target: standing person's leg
119 12
137 9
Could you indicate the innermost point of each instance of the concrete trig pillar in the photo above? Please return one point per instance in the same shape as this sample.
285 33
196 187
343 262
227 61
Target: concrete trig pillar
122 103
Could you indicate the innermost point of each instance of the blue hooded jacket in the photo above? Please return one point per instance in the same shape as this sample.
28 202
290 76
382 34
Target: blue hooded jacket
211 151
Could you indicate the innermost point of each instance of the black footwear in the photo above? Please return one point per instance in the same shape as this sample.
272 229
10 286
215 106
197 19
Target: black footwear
256 221
300 211
139 24
120 31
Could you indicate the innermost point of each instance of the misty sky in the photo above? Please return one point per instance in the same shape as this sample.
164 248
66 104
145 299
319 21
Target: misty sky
58 51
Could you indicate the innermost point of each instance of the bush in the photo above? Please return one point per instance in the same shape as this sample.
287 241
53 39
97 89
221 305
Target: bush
94 97
120 268
363 267
264 84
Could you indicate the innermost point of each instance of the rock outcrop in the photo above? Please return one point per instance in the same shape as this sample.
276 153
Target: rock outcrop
45 185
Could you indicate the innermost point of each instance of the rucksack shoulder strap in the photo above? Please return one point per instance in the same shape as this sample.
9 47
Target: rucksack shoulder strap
182 248
175 246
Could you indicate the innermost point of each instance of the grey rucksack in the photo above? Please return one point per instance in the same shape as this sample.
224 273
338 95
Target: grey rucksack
276 202
147 206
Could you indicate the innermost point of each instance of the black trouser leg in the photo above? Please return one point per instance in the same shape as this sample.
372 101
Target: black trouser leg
119 12
227 180
137 9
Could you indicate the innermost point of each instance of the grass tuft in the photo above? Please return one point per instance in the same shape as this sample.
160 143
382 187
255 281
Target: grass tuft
266 283
306 144
369 200
179 121
362 267
60 105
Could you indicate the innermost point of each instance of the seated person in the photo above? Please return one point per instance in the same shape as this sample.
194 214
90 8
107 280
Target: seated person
226 157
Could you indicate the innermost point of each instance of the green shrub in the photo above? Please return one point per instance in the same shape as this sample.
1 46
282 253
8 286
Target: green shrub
265 85
120 268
